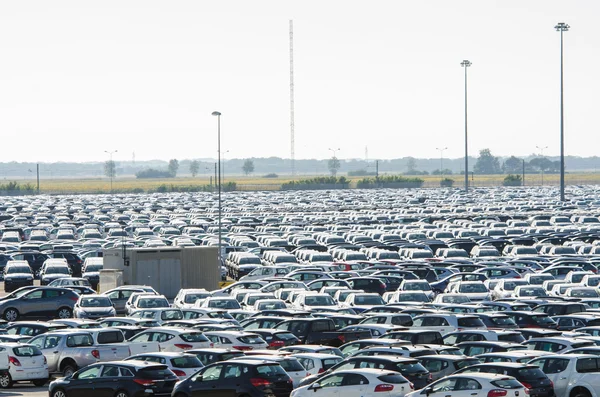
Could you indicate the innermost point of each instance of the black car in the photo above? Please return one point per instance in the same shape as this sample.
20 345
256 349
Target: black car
17 275
33 328
118 378
239 377
74 260
35 259
410 368
530 376
215 354
531 319
276 338
367 284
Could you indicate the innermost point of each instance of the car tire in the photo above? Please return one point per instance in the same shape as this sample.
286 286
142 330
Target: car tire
69 370
64 312
59 393
580 392
121 393
39 382
6 381
11 314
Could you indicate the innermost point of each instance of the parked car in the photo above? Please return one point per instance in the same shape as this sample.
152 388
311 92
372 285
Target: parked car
26 364
40 302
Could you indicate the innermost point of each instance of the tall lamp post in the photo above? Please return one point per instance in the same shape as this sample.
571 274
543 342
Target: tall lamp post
441 161
562 27
334 151
112 166
542 153
466 64
218 182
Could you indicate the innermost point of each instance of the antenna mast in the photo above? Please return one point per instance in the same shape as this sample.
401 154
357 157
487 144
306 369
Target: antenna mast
292 140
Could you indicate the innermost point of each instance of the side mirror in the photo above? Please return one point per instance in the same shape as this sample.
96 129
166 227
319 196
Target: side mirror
427 390
315 386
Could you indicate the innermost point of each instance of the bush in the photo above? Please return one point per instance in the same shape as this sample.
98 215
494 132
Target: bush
271 175
153 173
512 180
14 189
390 181
447 182
324 182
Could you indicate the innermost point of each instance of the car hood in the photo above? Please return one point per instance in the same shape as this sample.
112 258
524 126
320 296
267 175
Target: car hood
18 275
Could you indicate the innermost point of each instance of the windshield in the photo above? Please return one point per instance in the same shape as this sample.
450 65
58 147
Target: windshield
192 298
369 300
95 302
57 270
417 287
319 301
18 269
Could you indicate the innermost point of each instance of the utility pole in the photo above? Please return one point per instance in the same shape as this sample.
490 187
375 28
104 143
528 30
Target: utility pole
38 178
523 173
466 64
562 27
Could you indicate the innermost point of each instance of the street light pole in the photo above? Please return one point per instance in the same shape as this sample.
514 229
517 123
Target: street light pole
441 161
334 151
218 114
542 168
465 64
112 167
562 27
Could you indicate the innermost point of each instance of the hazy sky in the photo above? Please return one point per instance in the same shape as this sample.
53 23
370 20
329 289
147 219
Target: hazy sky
81 77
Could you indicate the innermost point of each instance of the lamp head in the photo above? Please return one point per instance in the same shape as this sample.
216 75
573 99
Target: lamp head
466 63
562 27
215 113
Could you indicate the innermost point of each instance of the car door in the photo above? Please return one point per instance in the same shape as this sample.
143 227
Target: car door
468 387
52 302
51 351
556 370
207 379
83 382
436 367
232 378
32 304
328 386
354 385
141 343
109 381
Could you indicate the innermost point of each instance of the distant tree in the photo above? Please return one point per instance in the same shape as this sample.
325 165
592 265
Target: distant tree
487 163
545 165
512 180
173 167
445 171
411 166
153 173
194 168
110 169
248 167
333 165
513 165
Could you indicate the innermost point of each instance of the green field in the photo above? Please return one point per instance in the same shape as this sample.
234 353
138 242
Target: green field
120 184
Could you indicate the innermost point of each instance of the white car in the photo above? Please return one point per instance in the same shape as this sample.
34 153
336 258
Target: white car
365 382
474 385
26 363
187 297
572 375
144 300
505 287
239 340
172 339
316 363
313 301
219 302
94 307
158 315
417 285
474 290
182 364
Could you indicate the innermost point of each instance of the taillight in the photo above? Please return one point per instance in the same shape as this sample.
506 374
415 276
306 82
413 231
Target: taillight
430 377
552 384
527 385
14 361
497 393
74 298
45 361
144 382
183 346
384 387
277 343
96 354
257 382
342 338
321 370
178 372
243 348
412 386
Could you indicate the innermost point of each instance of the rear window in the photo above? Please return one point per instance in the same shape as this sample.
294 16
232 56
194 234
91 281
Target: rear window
470 322
186 362
171 315
194 337
587 365
156 373
286 336
270 370
507 384
465 363
516 338
392 378
291 365
530 373
80 340
27 351
251 339
410 368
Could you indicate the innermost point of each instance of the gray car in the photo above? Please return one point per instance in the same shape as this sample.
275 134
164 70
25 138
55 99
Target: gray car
120 295
42 302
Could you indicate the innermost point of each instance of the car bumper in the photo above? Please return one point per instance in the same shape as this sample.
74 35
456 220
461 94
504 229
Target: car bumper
29 373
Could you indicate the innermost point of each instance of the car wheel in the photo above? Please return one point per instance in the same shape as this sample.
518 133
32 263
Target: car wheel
65 312
69 370
6 381
59 393
11 314
121 394
580 392
40 382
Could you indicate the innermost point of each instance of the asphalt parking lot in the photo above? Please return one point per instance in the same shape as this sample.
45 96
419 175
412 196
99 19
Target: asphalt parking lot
24 390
